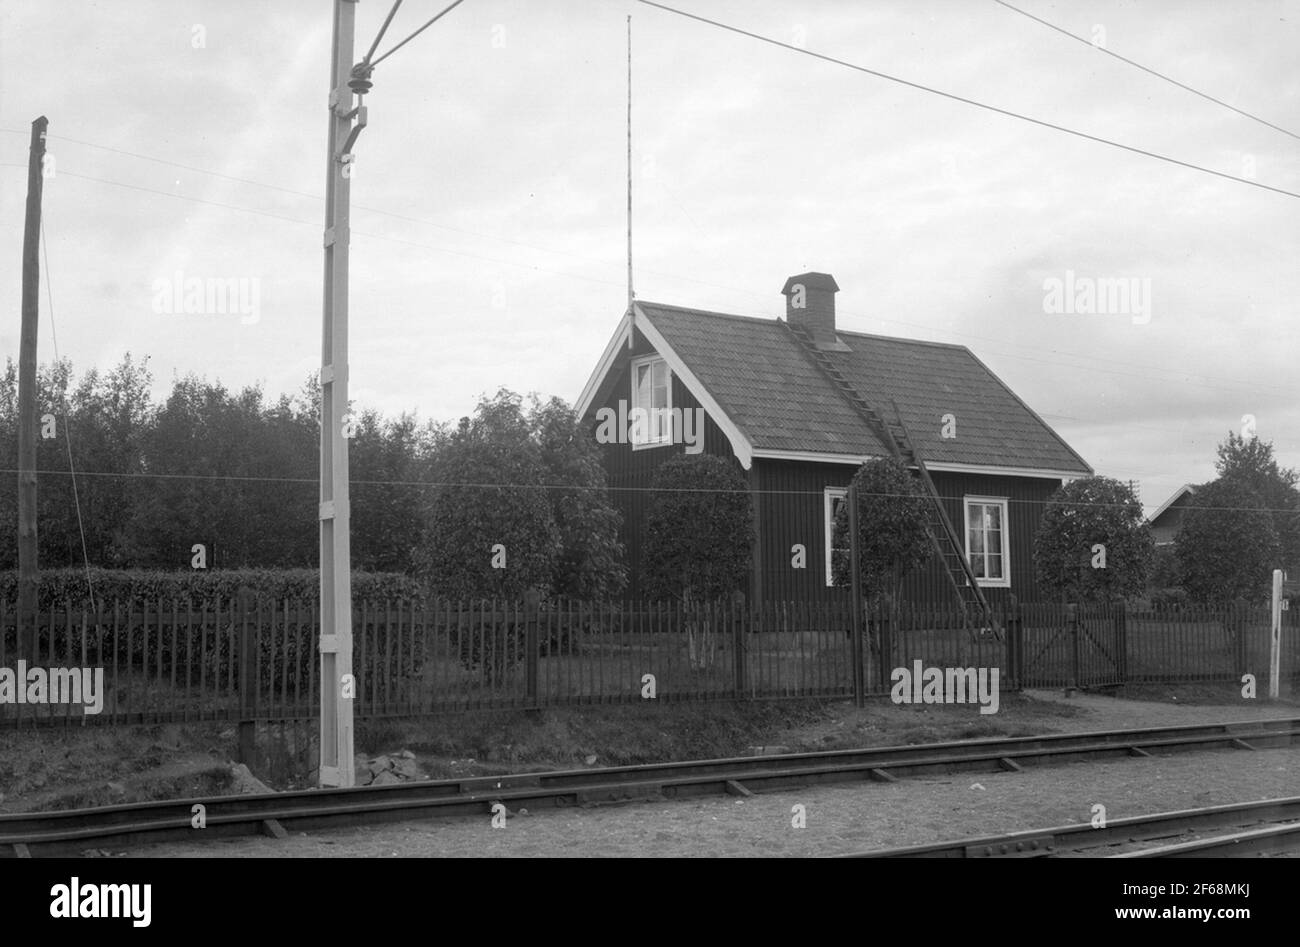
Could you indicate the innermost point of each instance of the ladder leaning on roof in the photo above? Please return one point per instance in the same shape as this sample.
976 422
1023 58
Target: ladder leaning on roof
944 537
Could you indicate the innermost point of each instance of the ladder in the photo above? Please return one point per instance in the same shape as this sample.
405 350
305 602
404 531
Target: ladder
944 537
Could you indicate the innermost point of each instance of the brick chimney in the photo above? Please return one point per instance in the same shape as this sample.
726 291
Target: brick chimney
810 303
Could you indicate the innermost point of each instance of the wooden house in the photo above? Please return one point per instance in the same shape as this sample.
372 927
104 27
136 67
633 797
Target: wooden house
798 404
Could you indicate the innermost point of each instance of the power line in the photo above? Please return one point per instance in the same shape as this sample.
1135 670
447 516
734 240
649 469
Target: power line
442 484
373 210
966 101
1138 65
453 6
67 423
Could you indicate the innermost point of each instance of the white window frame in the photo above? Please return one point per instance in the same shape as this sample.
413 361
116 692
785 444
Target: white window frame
829 496
967 503
666 437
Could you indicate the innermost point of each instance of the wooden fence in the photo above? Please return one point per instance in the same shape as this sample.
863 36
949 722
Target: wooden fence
174 661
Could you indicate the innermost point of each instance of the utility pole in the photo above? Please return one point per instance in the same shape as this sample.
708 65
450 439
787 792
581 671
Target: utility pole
27 567
338 687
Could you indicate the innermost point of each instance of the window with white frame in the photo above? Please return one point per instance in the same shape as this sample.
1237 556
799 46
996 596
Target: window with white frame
987 546
652 402
834 499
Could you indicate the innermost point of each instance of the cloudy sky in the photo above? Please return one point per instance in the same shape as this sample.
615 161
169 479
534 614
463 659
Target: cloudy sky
489 190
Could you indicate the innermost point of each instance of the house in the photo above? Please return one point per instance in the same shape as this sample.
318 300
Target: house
798 405
1166 521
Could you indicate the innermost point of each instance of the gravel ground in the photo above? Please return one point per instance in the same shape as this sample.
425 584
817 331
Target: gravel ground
847 818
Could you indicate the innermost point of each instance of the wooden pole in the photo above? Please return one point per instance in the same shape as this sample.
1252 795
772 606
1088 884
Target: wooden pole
28 573
338 687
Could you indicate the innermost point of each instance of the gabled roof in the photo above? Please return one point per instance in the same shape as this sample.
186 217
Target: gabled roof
776 402
1181 492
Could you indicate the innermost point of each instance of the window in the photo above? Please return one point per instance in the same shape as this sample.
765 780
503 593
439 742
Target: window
834 500
986 541
652 402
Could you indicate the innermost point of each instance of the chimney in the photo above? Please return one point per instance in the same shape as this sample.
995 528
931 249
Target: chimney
810 303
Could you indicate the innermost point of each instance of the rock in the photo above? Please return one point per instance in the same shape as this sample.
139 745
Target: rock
407 754
385 778
379 764
363 777
118 788
591 760
246 782
406 769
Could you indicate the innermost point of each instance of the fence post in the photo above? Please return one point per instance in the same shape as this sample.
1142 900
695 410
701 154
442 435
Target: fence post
1072 626
859 682
738 641
247 664
1121 640
1275 639
885 640
532 647
1014 653
1236 621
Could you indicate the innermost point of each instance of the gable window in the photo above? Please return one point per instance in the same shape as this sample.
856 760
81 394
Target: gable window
652 402
987 546
834 499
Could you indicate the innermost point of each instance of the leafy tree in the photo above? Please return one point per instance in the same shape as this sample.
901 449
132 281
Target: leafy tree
699 536
1250 463
892 535
1227 546
590 562
699 530
1081 516
489 506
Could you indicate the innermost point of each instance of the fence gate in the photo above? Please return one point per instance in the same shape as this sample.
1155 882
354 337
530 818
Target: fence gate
1070 646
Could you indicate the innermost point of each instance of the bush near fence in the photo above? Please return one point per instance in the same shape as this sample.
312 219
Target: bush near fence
59 587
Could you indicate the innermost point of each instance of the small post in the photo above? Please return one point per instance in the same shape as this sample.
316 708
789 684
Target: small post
1014 651
1121 640
247 670
855 582
1072 624
1275 639
532 646
738 641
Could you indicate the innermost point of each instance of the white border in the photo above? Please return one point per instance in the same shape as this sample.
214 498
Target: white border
667 440
1005 581
829 495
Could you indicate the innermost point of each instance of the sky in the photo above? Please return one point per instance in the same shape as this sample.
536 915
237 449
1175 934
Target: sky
489 195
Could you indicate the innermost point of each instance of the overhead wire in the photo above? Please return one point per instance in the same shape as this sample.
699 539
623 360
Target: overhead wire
1138 65
966 101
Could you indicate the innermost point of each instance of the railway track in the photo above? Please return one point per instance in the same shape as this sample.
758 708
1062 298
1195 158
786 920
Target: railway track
73 831
1271 826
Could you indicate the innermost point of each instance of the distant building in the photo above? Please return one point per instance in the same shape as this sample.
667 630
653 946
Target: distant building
1168 519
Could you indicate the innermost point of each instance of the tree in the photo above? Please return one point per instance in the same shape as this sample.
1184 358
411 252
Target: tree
699 536
590 562
1092 542
1250 463
892 535
489 527
1227 546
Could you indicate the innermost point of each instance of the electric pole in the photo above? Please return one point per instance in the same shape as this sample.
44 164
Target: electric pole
338 686
27 567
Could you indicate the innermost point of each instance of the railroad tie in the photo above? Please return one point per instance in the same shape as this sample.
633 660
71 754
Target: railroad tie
273 828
